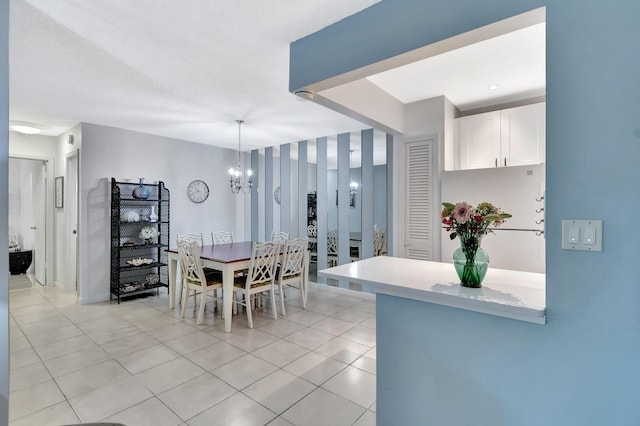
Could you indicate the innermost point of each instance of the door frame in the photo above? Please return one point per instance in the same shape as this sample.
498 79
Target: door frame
69 240
49 213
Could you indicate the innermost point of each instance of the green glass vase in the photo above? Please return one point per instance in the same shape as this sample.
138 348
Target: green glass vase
471 261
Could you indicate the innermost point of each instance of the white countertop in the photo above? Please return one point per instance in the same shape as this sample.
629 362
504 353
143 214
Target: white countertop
511 294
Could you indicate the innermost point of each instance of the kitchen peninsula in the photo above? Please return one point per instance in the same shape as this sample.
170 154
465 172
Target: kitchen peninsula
510 294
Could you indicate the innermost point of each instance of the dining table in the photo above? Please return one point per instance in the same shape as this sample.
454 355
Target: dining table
228 259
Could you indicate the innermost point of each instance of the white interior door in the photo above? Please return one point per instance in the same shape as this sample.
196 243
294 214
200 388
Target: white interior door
419 195
39 205
71 213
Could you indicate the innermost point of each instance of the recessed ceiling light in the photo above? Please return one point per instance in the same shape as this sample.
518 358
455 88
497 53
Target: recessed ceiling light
493 87
25 128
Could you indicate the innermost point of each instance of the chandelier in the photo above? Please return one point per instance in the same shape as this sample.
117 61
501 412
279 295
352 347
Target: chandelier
236 175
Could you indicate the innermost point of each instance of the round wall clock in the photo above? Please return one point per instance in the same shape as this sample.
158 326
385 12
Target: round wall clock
276 195
198 191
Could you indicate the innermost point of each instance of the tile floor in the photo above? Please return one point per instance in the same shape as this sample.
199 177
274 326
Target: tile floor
137 363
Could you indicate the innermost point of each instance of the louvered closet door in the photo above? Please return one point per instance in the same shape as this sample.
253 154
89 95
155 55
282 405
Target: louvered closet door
419 200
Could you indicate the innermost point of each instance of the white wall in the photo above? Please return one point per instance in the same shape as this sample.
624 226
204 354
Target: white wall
109 152
4 167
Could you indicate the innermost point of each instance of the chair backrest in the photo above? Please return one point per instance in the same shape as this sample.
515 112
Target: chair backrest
190 263
293 261
280 237
222 237
379 242
191 237
332 243
262 268
312 231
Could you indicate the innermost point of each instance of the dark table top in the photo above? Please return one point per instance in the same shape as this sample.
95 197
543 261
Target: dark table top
224 253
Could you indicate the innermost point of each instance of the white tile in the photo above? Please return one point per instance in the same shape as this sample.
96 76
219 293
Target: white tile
102 337
30 400
237 410
171 331
244 371
75 361
321 408
367 419
42 315
102 324
215 355
343 350
28 376
306 317
54 415
361 334
353 315
64 347
18 344
355 385
309 338
49 326
366 362
196 395
371 322
147 358
165 376
249 339
279 421
333 326
151 412
129 344
90 378
282 327
109 399
279 390
191 342
280 353
315 368
325 308
44 337
156 321
23 358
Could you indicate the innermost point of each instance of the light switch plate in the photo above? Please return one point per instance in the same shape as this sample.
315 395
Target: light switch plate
585 235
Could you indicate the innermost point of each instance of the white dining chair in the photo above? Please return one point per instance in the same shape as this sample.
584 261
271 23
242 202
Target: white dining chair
195 278
222 237
280 237
291 270
312 233
260 278
332 248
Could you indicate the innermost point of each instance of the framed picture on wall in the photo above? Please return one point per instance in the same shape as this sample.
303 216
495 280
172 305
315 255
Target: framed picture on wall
59 192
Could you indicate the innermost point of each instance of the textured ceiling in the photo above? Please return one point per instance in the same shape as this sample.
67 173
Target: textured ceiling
514 62
182 69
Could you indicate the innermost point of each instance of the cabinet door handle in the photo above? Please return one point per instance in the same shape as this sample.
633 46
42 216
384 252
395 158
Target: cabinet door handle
496 162
505 161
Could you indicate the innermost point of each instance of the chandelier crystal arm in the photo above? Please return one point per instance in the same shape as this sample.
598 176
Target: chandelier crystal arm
236 176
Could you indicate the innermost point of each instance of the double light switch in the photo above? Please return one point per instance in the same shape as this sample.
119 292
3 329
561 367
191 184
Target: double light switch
582 235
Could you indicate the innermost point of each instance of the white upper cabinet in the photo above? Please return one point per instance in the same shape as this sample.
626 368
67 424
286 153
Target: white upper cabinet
509 137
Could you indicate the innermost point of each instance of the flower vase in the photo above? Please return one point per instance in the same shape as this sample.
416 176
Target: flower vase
140 192
153 216
471 261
